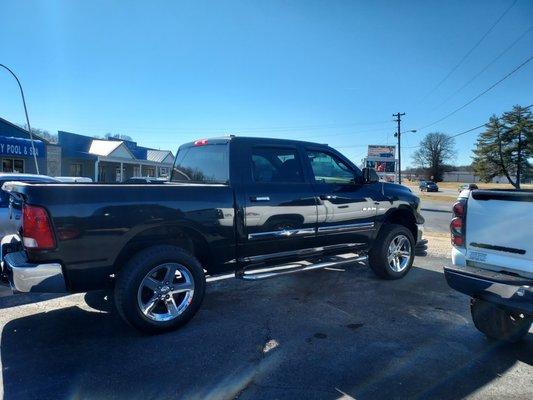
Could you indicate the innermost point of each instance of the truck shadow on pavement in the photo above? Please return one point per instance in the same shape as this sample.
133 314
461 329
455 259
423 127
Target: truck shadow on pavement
311 335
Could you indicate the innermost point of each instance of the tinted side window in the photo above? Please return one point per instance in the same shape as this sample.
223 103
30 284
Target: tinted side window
329 169
205 164
276 165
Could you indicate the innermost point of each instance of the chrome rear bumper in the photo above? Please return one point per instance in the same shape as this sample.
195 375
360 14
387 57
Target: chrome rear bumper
26 277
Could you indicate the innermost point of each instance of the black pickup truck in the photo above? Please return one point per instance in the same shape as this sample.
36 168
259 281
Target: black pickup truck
232 204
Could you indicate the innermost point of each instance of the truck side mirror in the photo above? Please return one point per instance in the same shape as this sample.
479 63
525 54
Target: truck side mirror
370 175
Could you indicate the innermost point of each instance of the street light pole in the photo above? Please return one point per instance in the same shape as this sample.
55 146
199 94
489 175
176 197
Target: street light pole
27 119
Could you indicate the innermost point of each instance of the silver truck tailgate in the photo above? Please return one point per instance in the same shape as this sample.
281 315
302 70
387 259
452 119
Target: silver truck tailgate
499 231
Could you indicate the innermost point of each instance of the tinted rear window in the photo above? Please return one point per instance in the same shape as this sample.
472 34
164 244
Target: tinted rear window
272 164
205 164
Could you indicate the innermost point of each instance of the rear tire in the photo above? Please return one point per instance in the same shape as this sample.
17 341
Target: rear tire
497 323
159 289
382 258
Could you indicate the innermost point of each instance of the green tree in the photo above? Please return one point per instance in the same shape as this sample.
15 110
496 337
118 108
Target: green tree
435 149
505 147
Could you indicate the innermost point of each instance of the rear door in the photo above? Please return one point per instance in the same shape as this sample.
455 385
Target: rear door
346 207
280 212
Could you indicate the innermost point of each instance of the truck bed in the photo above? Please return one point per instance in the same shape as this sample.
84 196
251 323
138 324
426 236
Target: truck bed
95 224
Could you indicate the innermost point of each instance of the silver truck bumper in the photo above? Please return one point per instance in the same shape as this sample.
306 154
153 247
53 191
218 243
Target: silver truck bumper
506 290
420 232
421 246
26 277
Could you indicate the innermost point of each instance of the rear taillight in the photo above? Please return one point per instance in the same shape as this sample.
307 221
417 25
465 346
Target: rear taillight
457 224
458 240
459 209
36 229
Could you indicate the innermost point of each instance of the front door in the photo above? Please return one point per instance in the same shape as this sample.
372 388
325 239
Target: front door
280 205
346 206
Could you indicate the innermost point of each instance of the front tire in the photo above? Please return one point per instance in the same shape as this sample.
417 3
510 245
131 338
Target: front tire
159 289
393 252
497 323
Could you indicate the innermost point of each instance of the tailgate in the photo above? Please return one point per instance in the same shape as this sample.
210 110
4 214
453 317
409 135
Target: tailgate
499 230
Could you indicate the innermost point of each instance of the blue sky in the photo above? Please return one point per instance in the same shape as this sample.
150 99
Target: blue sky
167 72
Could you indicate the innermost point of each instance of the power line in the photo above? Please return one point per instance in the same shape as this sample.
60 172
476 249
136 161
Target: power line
453 136
486 66
468 130
322 135
349 146
244 130
470 51
478 96
346 133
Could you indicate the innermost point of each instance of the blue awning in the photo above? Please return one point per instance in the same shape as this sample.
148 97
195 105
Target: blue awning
17 147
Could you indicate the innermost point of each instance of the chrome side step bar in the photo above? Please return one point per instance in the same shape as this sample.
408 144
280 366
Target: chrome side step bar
266 273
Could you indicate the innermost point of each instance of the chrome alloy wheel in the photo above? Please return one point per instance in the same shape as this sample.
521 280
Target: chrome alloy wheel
165 292
399 253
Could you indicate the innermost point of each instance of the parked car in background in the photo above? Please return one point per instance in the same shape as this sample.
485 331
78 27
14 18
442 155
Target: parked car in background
144 179
467 186
492 259
74 179
428 186
232 204
10 225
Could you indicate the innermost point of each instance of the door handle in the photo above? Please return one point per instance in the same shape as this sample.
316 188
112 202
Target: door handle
327 197
259 198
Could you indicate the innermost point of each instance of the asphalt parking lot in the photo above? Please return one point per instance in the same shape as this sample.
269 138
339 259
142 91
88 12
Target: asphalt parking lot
319 334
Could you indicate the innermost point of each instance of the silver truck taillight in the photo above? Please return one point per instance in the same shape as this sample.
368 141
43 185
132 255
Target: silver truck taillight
457 224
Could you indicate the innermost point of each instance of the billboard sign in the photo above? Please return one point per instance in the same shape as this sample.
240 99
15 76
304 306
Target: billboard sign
382 166
381 151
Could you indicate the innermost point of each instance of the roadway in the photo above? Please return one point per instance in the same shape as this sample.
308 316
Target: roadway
437 214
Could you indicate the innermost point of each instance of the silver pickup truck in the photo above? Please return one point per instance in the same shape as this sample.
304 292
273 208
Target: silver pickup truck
492 237
9 224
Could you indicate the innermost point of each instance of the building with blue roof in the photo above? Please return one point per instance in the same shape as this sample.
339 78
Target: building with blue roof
110 160
16 151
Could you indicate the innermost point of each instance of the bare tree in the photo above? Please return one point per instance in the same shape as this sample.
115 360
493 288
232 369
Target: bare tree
41 133
435 149
118 136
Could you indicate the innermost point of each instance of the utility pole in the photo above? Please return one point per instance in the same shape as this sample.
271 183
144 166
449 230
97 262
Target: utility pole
27 119
519 166
398 134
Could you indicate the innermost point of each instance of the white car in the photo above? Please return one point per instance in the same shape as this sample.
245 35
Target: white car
493 259
74 179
